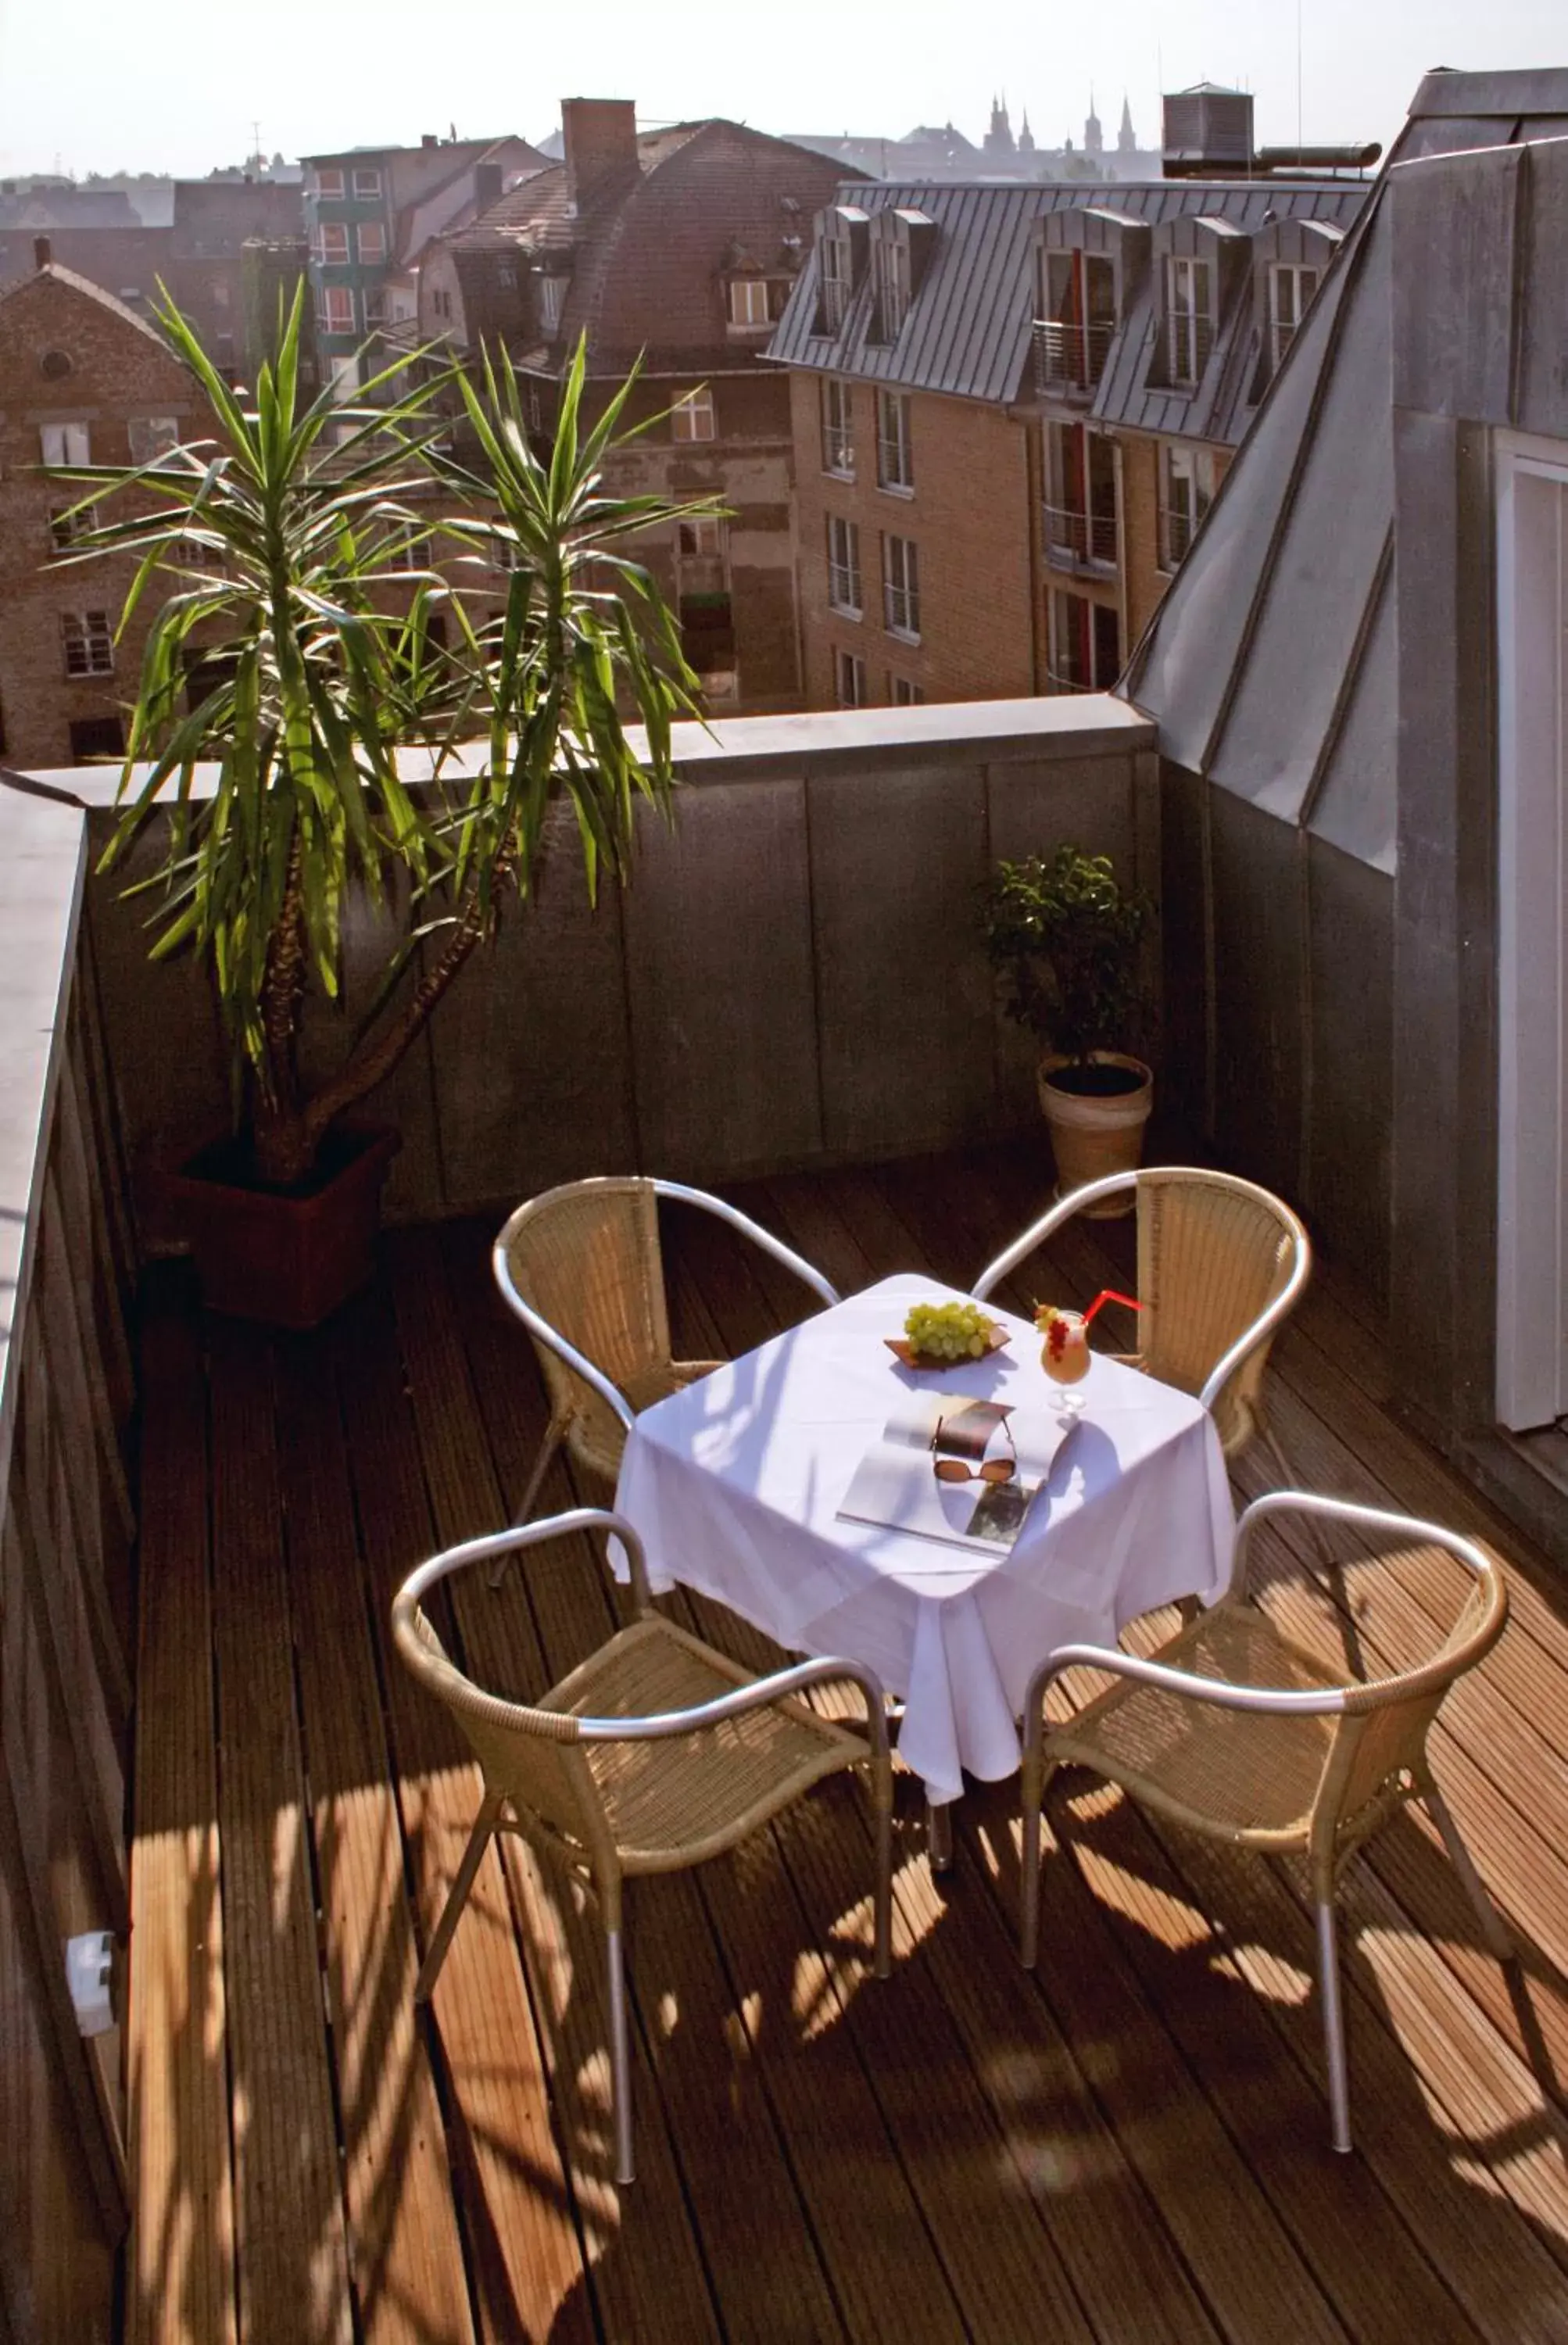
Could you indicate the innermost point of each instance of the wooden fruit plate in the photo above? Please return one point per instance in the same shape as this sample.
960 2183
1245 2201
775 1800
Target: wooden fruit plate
925 1365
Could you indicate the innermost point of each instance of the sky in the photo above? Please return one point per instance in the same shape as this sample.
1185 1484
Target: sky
161 87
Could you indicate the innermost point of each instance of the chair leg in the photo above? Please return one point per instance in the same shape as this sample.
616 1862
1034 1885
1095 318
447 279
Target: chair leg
883 1801
620 2057
1333 2016
1033 1802
1493 1929
457 1896
554 1434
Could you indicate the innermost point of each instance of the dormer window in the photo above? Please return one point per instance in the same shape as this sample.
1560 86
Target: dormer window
1080 319
1291 289
836 281
756 302
1189 316
891 277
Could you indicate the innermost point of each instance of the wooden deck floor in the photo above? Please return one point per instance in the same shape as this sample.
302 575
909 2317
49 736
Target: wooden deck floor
1130 2149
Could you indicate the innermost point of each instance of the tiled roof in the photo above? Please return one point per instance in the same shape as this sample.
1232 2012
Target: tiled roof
969 327
68 277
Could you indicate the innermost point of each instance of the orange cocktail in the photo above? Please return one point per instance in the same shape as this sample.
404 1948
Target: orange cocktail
1065 1354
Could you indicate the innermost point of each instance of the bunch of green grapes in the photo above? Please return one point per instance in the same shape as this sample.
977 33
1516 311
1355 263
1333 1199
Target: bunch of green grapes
948 1331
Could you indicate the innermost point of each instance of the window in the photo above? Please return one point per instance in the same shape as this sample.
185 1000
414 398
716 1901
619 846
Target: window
64 443
1085 653
375 305
329 184
850 679
440 303
345 375
332 245
895 460
749 301
1188 317
96 737
901 586
835 266
692 417
367 185
66 524
505 553
1080 321
1291 289
903 694
370 238
152 436
553 300
838 433
892 284
191 553
506 276
89 642
844 566
403 553
1081 519
700 538
1186 492
335 309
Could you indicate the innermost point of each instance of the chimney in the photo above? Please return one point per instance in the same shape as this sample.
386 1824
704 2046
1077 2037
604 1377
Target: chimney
488 184
600 138
428 138
43 252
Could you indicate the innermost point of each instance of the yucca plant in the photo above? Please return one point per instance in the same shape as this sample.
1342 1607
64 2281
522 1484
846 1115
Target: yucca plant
271 544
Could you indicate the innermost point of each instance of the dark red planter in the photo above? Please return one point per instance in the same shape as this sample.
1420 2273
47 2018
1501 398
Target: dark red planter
286 1259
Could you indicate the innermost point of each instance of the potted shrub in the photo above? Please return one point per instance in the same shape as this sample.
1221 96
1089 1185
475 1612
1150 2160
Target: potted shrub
1065 937
281 548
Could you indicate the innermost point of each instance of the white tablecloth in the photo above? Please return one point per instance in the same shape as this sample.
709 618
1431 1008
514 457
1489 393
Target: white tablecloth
735 1486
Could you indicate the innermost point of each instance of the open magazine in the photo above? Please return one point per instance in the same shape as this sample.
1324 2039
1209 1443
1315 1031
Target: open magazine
896 1484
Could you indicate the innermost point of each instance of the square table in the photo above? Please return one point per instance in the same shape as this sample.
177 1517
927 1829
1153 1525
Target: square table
734 1485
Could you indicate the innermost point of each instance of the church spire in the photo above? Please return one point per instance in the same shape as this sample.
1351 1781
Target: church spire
1126 136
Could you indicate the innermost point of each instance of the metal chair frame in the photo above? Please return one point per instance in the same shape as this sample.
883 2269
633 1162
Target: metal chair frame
587 1844
1327 1833
1261 1329
550 1339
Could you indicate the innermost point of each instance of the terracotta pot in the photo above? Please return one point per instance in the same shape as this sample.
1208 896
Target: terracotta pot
286 1258
1092 1134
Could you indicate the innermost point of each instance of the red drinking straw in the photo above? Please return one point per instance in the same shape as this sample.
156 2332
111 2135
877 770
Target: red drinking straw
1109 1294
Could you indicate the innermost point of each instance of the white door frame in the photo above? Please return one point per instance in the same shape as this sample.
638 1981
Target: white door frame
1532 930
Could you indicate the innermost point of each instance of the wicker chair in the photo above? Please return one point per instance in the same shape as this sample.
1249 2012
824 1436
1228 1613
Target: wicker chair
1220 1263
581 1267
654 1753
1235 1731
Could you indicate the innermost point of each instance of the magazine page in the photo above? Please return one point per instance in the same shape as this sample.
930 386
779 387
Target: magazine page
896 1484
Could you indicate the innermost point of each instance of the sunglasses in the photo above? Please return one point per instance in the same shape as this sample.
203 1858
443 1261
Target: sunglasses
958 1469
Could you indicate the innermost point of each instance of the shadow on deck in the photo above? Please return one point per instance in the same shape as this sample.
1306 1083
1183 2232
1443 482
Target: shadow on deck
1131 2146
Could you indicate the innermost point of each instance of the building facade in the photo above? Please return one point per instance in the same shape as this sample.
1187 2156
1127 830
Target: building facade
369 214
679 248
82 380
1012 408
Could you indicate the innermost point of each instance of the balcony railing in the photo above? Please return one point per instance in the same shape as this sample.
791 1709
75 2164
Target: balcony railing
1068 356
1075 540
1177 533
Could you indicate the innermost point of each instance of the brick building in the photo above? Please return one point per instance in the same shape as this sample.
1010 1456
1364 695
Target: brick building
371 213
83 380
188 236
1010 408
680 245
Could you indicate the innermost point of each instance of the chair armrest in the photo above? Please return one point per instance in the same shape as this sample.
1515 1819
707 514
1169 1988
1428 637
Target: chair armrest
758 1695
754 1231
495 1544
541 1330
1369 1519
1046 1227
1316 1701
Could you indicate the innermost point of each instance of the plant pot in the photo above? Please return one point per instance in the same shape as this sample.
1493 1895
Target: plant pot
286 1257
1096 1132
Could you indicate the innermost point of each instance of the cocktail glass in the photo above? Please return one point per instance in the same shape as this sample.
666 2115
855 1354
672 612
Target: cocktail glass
1064 1356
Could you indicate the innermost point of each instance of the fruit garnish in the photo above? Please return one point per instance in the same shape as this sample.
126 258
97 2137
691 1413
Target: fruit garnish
1056 1326
949 1331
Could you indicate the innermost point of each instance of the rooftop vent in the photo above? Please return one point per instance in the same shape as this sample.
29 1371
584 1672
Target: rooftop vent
43 252
1207 133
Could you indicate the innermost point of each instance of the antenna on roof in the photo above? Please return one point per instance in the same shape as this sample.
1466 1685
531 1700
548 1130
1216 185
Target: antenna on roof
1299 76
